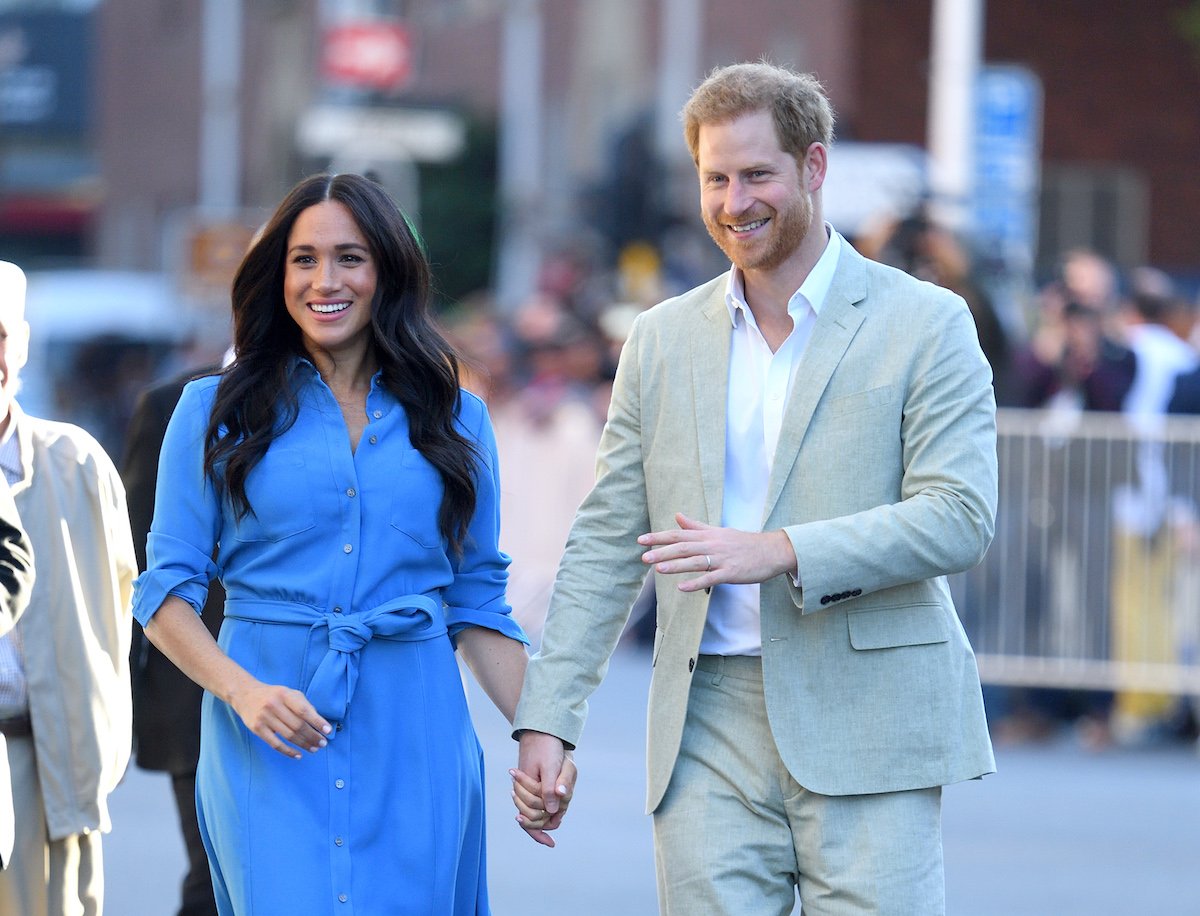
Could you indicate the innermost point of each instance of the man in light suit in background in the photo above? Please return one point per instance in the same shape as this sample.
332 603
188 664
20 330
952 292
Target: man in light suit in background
801 449
64 694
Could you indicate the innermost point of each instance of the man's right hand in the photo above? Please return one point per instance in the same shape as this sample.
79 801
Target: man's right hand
543 784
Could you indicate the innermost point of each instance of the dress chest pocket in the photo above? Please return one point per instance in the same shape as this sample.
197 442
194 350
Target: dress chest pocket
277 488
416 499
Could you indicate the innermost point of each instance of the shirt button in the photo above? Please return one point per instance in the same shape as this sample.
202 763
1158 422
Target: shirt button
337 610
373 440
352 492
342 898
337 841
377 414
340 783
347 548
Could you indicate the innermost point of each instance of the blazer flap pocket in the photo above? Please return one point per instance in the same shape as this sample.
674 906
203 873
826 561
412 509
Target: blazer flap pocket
907 625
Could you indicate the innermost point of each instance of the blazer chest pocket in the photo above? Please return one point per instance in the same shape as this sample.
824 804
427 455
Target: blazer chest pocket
906 625
860 401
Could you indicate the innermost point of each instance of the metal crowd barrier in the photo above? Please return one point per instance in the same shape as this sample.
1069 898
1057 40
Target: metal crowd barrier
1093 578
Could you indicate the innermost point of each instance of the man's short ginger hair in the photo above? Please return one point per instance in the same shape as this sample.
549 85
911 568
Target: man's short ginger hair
796 101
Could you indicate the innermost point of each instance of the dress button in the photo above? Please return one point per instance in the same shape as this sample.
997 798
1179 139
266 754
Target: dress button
342 898
377 414
352 493
337 841
340 783
347 548
373 439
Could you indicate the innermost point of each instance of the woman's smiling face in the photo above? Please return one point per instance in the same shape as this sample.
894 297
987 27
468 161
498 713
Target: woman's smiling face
329 279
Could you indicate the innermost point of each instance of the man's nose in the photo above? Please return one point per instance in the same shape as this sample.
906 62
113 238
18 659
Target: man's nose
737 198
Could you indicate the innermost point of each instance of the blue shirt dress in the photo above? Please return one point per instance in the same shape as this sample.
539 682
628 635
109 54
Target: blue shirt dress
341 586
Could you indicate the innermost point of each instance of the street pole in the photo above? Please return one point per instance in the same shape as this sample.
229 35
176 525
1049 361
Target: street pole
520 153
220 175
957 48
678 72
681 27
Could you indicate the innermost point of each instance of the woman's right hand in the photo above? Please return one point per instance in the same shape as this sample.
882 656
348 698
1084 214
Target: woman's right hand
282 717
275 713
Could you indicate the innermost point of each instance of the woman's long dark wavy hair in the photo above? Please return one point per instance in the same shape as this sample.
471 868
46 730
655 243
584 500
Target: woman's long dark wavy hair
255 402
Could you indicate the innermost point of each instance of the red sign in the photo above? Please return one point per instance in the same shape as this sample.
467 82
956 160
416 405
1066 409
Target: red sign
371 55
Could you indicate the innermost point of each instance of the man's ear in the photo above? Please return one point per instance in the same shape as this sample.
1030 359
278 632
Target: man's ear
816 161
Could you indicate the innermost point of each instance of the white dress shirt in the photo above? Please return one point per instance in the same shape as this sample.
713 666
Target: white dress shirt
760 383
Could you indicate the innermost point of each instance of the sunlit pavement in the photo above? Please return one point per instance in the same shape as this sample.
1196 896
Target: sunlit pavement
1058 831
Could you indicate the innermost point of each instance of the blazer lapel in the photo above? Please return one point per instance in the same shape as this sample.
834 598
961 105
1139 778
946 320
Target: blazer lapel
836 326
710 387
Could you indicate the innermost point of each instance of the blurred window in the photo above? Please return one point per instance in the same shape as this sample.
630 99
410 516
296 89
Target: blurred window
1100 206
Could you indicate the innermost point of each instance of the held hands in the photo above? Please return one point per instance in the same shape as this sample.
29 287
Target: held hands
280 715
543 784
719 555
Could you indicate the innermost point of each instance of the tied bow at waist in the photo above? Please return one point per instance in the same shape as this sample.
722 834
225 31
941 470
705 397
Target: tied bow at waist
410 618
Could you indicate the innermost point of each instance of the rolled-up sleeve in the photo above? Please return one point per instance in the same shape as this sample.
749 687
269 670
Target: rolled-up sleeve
476 597
183 535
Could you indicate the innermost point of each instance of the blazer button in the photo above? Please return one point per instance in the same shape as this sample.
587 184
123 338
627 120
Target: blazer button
691 665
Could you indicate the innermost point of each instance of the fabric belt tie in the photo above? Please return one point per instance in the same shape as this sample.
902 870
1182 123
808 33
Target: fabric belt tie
410 618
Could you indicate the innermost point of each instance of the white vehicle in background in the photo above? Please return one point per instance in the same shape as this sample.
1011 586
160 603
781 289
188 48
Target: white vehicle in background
97 338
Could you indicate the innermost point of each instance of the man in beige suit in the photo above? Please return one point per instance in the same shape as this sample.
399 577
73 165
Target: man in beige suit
801 449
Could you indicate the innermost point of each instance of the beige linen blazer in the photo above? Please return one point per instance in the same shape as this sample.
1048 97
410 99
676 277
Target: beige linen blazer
885 481
76 630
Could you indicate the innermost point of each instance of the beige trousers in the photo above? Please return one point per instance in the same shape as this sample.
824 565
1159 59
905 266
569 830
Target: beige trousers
46 877
735 835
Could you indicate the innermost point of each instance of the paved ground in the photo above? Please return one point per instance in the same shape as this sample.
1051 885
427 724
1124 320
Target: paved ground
1059 831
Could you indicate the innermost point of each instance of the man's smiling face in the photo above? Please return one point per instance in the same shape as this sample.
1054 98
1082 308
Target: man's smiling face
752 196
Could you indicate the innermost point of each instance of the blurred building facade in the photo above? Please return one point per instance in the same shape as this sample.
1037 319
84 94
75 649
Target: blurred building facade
1120 132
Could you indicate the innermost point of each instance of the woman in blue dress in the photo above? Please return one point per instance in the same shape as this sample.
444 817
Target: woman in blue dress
344 489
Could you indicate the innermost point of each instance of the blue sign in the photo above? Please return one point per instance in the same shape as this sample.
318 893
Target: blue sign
1008 137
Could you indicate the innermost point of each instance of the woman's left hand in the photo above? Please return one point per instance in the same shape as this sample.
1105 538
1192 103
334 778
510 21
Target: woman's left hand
531 809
